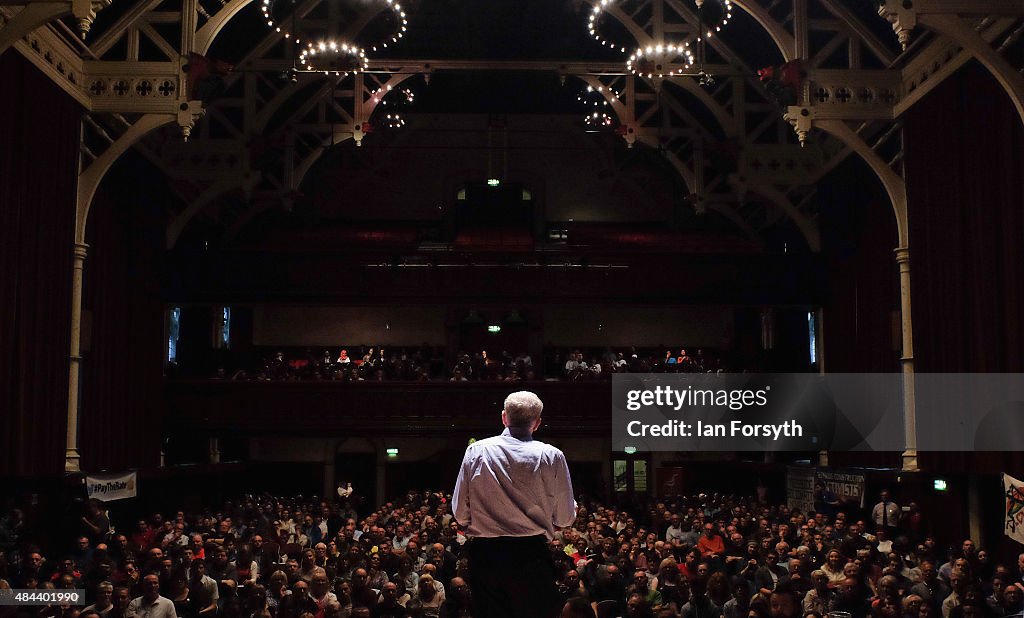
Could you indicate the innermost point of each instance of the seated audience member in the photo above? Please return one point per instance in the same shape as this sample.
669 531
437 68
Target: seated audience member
427 601
104 602
151 604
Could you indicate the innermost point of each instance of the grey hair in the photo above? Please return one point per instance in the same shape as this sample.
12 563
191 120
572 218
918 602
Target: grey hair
523 408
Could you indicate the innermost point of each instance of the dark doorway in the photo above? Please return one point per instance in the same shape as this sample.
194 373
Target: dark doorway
360 469
418 476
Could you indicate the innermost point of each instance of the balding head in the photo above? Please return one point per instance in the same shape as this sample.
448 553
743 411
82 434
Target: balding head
522 409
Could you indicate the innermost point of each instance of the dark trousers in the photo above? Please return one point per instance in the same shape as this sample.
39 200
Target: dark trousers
512 577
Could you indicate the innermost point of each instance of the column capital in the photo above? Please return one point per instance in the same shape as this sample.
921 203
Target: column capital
71 460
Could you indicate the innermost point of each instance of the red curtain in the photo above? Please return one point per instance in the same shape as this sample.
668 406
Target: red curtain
38 166
965 181
122 400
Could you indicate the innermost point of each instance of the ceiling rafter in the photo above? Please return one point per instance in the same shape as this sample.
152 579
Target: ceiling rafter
873 98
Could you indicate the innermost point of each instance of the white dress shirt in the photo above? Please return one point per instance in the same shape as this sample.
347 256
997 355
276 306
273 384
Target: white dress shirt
161 608
888 512
513 485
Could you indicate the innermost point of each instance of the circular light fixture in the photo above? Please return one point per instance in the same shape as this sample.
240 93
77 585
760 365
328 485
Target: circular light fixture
393 121
285 24
715 25
594 22
662 60
380 94
598 120
666 59
595 97
596 101
333 56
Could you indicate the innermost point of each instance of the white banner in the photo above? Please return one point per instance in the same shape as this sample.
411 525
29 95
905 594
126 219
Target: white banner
107 487
1013 521
800 488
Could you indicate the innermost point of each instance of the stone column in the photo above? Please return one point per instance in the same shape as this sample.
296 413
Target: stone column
907 362
819 339
71 456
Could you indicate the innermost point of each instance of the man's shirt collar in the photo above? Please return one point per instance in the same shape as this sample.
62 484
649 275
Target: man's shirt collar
519 433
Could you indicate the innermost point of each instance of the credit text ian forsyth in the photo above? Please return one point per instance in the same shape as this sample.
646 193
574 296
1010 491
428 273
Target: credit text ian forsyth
663 397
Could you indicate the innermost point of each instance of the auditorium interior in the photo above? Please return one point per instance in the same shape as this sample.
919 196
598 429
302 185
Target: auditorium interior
260 248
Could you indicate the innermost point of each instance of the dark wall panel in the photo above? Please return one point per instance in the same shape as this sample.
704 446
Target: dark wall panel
858 229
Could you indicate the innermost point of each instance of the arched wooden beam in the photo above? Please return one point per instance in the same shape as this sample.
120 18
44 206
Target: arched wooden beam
214 191
89 180
894 186
35 15
956 29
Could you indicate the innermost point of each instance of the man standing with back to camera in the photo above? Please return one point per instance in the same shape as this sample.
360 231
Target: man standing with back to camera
511 495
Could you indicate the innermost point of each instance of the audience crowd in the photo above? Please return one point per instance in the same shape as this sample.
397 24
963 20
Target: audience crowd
595 364
696 556
425 363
